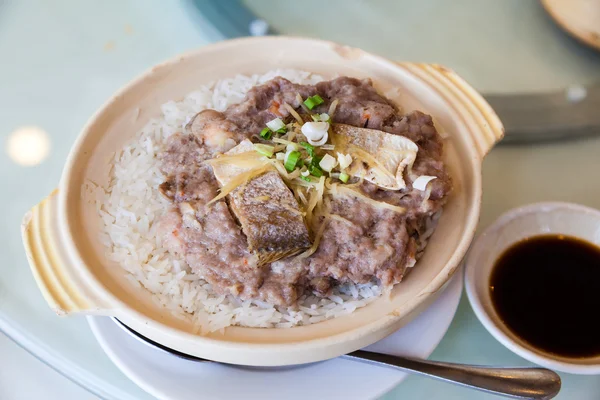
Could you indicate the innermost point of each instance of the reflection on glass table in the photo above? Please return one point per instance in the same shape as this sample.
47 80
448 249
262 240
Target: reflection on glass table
18 366
506 46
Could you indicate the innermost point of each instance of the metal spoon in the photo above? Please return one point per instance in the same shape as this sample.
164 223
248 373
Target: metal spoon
518 383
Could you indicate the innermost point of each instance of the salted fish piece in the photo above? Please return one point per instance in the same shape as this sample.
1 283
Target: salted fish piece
266 209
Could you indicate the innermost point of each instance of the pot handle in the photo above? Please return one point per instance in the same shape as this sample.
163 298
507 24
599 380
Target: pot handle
50 265
482 124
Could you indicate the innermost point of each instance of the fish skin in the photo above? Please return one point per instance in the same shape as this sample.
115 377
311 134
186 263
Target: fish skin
267 211
275 227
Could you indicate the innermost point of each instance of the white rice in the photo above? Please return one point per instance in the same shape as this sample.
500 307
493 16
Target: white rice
131 205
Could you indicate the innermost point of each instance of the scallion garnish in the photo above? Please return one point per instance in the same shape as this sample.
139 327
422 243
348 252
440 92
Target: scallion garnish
266 134
305 178
291 161
275 124
315 171
324 117
264 149
314 167
313 101
281 130
315 161
344 177
310 149
327 163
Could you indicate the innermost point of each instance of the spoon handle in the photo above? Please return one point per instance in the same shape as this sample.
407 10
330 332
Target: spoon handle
518 383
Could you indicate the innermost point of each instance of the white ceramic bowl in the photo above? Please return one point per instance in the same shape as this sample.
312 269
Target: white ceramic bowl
69 263
520 223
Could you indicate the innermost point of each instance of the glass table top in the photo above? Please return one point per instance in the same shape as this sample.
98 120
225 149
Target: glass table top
59 65
498 46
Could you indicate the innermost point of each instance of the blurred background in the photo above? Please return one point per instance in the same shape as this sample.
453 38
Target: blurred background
500 46
61 60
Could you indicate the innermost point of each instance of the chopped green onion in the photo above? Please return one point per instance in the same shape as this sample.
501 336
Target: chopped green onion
344 177
305 178
264 149
315 171
313 101
327 163
281 130
344 160
292 160
291 147
266 134
275 124
324 117
314 167
310 149
309 103
315 161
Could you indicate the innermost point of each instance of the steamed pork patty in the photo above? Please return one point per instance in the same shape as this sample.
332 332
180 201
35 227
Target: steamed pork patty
361 230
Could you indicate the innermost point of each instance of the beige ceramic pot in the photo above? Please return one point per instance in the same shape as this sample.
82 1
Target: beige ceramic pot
69 264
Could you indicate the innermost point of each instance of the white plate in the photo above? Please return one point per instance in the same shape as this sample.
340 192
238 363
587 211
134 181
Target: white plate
168 377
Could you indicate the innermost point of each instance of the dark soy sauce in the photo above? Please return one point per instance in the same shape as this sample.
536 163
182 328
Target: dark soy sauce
546 289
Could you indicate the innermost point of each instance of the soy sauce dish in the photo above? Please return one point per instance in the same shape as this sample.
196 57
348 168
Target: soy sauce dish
533 279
